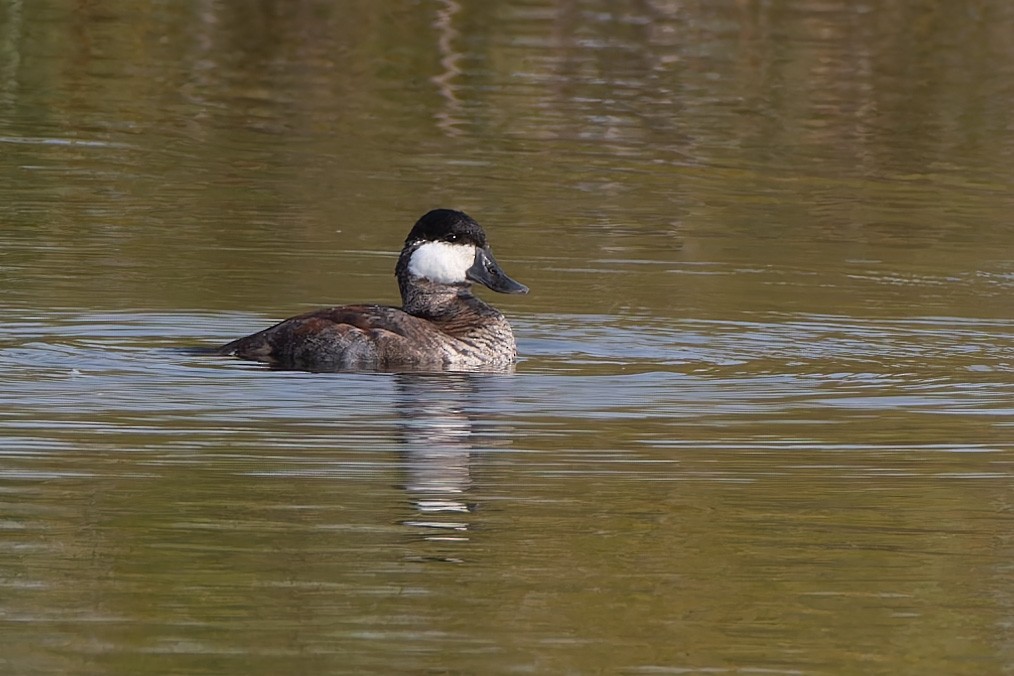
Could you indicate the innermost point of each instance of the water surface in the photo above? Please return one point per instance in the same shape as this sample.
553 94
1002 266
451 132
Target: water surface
762 418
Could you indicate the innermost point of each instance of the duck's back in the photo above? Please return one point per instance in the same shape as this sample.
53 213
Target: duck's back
368 337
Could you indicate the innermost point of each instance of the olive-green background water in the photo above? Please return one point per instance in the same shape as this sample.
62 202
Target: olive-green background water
763 416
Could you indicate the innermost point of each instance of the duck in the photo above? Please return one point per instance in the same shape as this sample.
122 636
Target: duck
441 325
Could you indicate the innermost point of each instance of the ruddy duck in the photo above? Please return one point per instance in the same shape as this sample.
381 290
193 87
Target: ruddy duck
440 325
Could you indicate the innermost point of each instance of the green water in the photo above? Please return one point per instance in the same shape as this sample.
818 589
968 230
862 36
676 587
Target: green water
762 418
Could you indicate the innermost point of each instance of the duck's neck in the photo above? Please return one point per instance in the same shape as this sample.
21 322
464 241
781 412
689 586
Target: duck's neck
440 302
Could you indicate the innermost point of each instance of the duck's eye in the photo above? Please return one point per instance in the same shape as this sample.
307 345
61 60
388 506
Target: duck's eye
453 237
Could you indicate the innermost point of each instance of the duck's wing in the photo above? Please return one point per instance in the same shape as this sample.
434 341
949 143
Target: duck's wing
345 337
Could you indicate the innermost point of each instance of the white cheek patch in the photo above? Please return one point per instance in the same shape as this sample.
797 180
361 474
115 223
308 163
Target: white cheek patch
441 262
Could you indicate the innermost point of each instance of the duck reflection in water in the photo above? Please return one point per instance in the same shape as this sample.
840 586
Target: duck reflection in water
440 432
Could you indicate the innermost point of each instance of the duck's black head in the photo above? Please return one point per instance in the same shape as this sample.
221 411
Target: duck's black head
447 225
448 247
